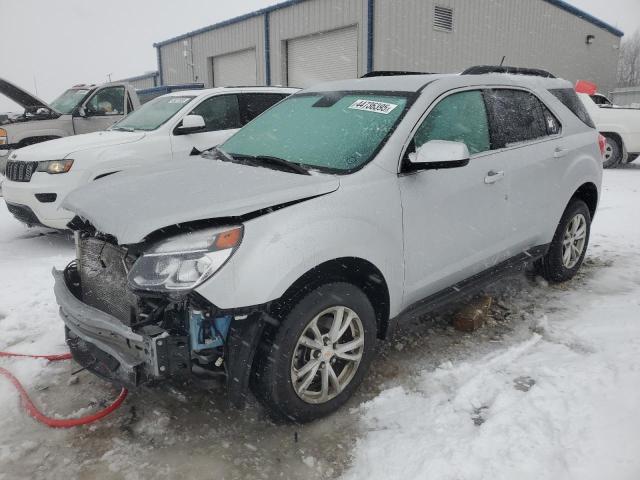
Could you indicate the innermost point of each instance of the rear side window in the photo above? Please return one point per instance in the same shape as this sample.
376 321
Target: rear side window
460 117
518 116
220 113
253 104
570 99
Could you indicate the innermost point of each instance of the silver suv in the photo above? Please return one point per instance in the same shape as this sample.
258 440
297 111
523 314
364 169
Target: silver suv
280 257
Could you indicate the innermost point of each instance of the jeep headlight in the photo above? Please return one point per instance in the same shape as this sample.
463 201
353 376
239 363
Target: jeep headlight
185 261
55 166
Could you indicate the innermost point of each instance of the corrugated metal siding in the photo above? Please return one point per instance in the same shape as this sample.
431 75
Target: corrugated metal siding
314 16
231 38
530 33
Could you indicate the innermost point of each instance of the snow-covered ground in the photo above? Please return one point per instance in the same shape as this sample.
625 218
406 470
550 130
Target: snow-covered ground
548 390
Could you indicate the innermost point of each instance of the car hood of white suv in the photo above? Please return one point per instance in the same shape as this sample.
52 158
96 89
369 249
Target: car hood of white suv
65 147
131 205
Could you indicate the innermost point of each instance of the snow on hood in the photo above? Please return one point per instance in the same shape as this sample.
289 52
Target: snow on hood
21 97
131 205
63 147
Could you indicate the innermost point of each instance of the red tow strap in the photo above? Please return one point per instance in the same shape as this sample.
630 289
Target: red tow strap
42 418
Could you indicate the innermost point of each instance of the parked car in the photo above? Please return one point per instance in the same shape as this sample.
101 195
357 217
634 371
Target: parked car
621 128
282 255
81 109
167 128
147 94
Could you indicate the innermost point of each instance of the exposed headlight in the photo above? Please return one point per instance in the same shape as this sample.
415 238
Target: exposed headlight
3 137
55 166
185 261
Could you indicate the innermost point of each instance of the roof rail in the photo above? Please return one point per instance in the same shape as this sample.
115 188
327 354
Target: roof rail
484 69
391 73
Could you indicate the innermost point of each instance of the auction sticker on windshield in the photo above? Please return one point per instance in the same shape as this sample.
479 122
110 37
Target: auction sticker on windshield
373 106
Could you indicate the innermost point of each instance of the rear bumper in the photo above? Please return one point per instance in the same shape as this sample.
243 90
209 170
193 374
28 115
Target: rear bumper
105 346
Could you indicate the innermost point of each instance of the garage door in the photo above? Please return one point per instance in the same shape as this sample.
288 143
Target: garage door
322 57
238 68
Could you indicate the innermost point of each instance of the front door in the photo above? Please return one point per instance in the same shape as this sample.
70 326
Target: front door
221 116
104 108
454 219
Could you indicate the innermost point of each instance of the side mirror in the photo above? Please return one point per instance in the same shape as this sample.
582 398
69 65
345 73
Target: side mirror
191 124
81 112
440 154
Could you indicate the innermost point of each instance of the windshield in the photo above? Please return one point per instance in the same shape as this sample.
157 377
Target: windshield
69 100
333 131
153 114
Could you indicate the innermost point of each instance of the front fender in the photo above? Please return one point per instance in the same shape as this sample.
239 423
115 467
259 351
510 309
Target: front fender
278 248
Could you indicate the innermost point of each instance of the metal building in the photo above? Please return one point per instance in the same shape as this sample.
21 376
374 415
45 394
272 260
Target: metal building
302 42
626 97
146 80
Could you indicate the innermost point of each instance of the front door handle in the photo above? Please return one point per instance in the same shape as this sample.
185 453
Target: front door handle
493 176
559 152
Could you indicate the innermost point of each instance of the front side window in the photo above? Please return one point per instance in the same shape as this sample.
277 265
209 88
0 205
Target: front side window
69 100
153 114
460 117
336 131
517 116
219 113
108 101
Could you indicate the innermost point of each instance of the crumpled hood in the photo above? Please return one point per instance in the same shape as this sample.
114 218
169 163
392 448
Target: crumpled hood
131 205
64 147
21 97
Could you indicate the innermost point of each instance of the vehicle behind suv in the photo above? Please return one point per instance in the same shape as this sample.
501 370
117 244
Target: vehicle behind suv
166 129
280 257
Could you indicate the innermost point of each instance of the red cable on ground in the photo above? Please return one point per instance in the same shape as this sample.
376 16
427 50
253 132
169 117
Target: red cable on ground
42 418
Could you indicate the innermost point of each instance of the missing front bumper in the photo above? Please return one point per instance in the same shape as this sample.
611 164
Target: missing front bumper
104 345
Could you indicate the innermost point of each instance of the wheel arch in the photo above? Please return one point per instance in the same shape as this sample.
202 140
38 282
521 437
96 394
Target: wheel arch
588 193
357 271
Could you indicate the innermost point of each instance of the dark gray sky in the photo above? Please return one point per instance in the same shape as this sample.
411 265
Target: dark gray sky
52 45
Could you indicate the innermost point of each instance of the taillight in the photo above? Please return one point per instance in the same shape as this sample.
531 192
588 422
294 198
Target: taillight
602 143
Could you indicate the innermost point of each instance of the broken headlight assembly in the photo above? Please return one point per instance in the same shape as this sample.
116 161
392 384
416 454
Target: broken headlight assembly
184 261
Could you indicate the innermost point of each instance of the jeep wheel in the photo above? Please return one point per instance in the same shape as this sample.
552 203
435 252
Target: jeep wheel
319 354
612 152
569 245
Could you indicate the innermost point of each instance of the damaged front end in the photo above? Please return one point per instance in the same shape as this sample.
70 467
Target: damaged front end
131 316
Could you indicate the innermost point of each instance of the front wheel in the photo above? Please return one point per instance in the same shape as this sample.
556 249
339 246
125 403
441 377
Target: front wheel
612 152
319 354
569 245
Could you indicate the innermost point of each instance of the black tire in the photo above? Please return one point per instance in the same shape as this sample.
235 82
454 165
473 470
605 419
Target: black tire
614 150
552 266
273 384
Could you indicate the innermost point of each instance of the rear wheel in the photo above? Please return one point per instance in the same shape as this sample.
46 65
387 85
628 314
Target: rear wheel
612 152
319 354
569 244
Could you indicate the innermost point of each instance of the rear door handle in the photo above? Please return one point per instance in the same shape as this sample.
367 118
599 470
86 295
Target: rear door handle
493 176
559 152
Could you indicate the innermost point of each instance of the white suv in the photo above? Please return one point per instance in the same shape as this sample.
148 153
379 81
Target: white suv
168 128
282 255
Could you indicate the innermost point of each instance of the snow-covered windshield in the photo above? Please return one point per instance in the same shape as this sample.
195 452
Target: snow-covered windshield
334 131
153 114
69 100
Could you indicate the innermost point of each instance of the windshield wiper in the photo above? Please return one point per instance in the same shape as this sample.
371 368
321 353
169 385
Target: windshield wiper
123 129
264 160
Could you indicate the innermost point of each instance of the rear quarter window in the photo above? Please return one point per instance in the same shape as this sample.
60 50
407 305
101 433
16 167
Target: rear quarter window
570 99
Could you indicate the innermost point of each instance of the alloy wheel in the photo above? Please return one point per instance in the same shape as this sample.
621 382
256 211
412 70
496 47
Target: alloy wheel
327 355
574 240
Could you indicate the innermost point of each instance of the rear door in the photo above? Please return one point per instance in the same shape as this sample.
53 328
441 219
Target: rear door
221 114
104 108
528 139
454 219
